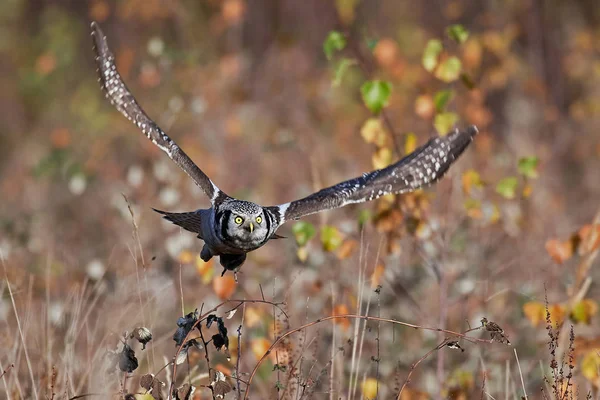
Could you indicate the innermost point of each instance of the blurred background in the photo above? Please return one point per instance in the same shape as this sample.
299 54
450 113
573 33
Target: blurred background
268 102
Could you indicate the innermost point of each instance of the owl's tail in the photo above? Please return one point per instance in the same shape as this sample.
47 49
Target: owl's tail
190 221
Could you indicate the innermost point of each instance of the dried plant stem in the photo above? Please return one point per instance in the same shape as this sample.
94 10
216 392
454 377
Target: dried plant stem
201 319
364 317
521 374
21 334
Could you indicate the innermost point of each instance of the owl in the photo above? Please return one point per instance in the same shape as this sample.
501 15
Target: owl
232 228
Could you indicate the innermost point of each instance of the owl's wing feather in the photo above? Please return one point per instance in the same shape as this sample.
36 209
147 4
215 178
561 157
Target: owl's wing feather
119 95
421 168
190 221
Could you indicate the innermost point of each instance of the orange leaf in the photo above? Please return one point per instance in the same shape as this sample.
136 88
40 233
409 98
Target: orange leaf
559 251
341 309
590 238
233 11
224 286
45 64
424 106
259 347
535 312
60 138
386 52
557 314
346 249
377 275
206 270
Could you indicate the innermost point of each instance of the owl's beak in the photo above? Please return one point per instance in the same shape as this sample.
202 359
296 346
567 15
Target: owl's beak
251 227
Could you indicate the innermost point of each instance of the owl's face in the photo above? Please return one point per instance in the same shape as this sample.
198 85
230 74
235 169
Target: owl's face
246 225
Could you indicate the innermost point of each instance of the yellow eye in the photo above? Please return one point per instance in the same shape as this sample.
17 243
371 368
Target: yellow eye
238 220
259 219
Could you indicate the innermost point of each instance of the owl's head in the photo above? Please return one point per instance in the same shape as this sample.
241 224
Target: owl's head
246 224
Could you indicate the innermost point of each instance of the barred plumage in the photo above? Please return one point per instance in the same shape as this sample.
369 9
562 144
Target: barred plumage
231 228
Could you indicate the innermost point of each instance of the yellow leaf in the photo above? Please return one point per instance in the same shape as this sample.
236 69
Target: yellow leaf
590 365
186 257
371 130
423 231
444 122
449 70
382 158
471 179
302 254
253 317
331 238
473 208
411 143
535 312
144 397
369 388
584 310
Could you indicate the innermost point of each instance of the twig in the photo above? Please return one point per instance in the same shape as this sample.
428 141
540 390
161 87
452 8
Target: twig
206 357
11 366
21 335
364 317
414 366
199 321
520 374
239 354
367 71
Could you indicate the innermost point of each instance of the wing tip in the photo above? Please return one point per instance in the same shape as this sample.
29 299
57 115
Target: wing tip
472 131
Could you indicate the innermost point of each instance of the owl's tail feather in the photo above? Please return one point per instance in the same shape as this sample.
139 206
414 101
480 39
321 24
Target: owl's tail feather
190 221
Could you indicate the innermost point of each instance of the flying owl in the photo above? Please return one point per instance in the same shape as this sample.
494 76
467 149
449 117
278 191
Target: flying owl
231 228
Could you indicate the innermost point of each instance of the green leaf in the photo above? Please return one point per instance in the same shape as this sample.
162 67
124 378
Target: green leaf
376 95
335 41
449 70
458 33
444 122
341 69
430 56
507 187
442 98
364 216
528 167
467 81
372 43
331 238
303 232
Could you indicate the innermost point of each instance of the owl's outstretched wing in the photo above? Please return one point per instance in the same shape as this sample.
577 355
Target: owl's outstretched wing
423 167
119 95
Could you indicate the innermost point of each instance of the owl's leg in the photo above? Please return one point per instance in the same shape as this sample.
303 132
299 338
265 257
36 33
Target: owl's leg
206 254
232 262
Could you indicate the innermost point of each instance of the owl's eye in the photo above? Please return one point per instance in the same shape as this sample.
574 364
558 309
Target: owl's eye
259 219
239 220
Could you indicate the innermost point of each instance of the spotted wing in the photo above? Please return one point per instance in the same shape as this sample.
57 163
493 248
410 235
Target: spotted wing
119 95
421 168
